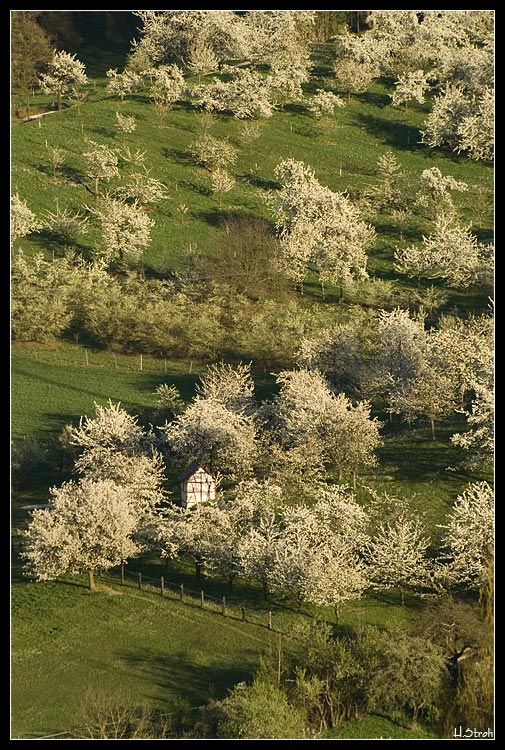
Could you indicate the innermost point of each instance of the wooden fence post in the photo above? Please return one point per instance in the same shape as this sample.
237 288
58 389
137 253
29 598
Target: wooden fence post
162 585
140 580
182 591
202 595
224 606
141 361
269 620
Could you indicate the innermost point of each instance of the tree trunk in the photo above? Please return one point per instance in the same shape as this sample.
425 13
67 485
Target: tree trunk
198 568
354 479
337 612
402 596
91 579
432 423
59 100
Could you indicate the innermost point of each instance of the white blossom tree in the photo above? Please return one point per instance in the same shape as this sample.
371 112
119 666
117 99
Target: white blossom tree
123 83
316 555
353 76
307 412
430 393
247 94
438 185
101 163
213 152
167 87
289 69
388 193
464 349
233 387
23 220
334 576
126 123
415 262
476 131
469 537
201 59
396 554
65 224
222 181
39 302
140 188
479 438
90 524
339 353
126 230
410 85
294 552
112 446
208 432
65 73
399 352
453 250
351 436
318 227
324 103
257 546
463 122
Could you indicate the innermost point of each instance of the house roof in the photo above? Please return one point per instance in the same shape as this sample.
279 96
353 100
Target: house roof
189 470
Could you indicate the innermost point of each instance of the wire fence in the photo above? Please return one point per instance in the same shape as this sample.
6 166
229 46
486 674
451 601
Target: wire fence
201 599
83 357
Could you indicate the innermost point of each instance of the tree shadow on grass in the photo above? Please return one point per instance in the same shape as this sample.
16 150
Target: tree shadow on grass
396 134
179 156
259 182
177 674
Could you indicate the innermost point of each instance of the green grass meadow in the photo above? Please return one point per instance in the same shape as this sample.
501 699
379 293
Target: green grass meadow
68 643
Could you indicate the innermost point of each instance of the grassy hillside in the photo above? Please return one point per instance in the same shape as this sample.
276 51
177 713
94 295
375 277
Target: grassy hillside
343 158
68 643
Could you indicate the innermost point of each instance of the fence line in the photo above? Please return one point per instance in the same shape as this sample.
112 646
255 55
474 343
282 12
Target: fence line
111 361
170 590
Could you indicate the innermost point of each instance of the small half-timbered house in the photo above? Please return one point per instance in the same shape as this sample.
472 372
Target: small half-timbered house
197 485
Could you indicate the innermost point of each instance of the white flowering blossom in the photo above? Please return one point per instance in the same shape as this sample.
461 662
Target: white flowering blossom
213 152
101 162
246 95
125 123
90 524
142 189
411 85
397 555
23 220
479 438
208 432
438 185
353 76
324 103
126 230
469 536
463 122
318 226
123 83
222 181
65 73
233 387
